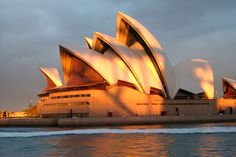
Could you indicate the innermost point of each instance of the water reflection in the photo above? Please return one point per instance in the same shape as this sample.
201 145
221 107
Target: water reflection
144 144
112 145
209 145
155 144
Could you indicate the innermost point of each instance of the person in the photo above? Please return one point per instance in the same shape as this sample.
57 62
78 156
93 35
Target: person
231 110
177 111
71 113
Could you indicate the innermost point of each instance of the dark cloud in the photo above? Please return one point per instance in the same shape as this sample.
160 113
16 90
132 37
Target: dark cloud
30 32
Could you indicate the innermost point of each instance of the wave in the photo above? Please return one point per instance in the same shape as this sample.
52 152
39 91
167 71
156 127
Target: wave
200 130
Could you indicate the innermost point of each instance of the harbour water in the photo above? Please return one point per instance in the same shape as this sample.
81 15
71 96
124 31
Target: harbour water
154 140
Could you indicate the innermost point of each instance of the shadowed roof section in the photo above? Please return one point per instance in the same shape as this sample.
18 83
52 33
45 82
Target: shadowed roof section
52 77
109 66
196 76
130 31
77 71
230 81
144 73
229 87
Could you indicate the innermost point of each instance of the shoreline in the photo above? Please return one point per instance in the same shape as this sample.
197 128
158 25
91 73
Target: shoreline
114 121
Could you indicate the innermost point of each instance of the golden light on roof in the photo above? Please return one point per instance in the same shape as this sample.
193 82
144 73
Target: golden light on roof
52 77
136 57
196 76
127 30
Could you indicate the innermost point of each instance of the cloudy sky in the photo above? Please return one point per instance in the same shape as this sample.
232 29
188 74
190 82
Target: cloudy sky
30 32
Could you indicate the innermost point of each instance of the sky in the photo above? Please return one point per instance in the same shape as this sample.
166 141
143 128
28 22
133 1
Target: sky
30 32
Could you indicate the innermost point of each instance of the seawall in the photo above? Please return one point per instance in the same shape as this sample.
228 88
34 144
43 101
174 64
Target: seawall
29 122
114 121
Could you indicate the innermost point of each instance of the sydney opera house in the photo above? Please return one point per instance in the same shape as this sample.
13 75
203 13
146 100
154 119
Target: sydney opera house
129 75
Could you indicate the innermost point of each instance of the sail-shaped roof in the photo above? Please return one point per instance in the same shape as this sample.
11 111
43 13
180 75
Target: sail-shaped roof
230 81
144 73
130 31
196 76
110 67
52 77
229 87
134 58
77 71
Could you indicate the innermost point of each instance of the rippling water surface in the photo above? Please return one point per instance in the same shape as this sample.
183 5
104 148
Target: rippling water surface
159 140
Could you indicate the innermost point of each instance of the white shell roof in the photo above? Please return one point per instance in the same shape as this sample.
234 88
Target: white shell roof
144 73
230 81
53 75
144 68
196 76
156 49
110 67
